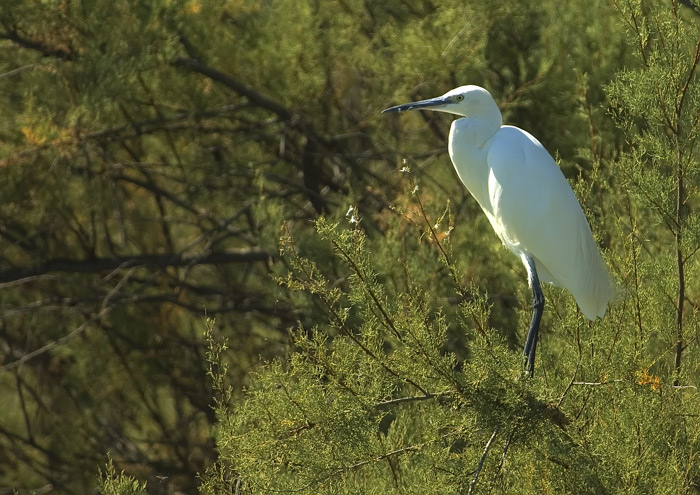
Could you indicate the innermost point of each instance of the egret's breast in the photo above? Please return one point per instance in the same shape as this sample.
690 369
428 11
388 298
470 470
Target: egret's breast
496 199
469 159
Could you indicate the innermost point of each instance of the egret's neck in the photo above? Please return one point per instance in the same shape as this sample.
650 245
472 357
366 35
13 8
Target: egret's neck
479 127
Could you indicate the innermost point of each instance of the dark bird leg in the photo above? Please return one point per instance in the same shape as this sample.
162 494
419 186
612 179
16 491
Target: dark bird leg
537 308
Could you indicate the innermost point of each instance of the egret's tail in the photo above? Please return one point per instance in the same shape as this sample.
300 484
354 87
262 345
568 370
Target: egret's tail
589 282
595 290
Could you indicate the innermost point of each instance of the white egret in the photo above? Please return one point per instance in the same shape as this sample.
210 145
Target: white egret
528 201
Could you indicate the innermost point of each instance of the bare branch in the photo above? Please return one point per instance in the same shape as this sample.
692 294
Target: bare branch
96 265
242 89
691 5
46 51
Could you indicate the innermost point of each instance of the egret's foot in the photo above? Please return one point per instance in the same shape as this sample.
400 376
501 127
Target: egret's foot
529 359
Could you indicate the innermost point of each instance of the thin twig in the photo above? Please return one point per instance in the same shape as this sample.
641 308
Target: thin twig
571 383
599 384
414 398
480 466
502 463
106 307
17 71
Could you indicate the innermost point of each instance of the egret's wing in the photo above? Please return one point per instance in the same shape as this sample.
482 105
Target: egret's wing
536 212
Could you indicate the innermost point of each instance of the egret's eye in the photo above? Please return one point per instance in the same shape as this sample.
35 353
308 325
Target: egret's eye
459 97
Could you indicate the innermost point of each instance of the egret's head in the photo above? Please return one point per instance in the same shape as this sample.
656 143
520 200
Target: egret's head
467 101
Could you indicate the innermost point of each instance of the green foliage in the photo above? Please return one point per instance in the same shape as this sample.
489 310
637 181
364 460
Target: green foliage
111 483
381 404
162 163
658 105
378 403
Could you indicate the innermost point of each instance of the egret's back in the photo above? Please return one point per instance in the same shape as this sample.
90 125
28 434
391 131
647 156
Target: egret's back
534 211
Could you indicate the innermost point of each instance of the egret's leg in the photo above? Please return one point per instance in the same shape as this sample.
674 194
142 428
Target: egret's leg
537 308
